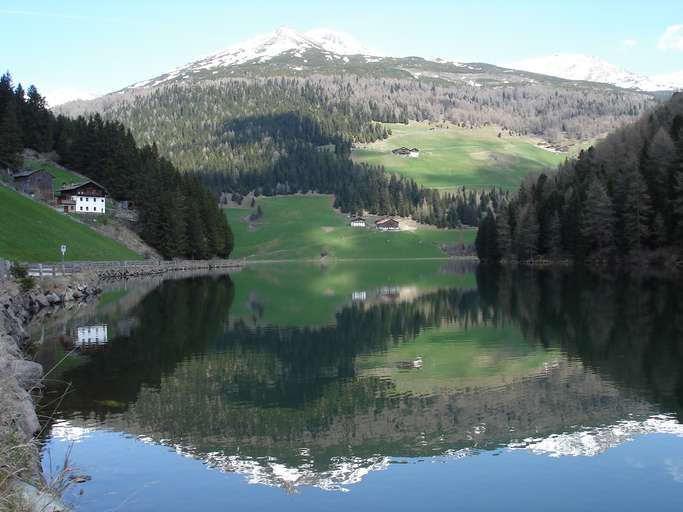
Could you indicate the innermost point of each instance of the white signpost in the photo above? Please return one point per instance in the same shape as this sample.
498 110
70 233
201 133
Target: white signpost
62 249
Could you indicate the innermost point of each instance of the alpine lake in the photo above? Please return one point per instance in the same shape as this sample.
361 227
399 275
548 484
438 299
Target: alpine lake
426 385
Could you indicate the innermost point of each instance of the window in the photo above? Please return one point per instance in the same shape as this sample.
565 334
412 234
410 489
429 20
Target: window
81 208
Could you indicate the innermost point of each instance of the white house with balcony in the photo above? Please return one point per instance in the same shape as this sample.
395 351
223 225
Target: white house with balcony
84 197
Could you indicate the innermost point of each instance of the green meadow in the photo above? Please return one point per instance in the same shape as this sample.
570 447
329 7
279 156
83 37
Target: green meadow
33 232
454 156
460 356
307 293
303 226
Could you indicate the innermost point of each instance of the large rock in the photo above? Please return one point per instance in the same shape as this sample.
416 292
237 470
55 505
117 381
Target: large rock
27 419
69 295
53 298
39 301
34 500
27 373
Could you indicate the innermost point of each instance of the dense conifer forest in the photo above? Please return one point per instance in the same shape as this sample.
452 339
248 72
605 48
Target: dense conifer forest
178 216
622 199
195 123
291 134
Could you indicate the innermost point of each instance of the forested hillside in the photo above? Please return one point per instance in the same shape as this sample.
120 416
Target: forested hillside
194 123
621 199
178 216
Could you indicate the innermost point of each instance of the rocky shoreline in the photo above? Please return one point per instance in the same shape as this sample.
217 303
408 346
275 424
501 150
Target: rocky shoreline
22 484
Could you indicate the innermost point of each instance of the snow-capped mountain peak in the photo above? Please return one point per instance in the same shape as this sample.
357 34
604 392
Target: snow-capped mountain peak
576 66
263 48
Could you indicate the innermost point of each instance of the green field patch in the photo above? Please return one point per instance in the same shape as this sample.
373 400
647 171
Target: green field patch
32 232
454 156
309 294
303 226
460 357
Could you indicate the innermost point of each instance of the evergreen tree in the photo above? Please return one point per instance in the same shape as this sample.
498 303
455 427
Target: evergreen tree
597 218
503 233
526 236
635 211
553 235
10 130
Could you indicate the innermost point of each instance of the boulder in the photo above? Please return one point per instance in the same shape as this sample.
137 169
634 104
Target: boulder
27 373
36 500
53 298
41 300
27 419
68 295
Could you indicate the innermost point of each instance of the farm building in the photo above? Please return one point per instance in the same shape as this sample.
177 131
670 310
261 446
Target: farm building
35 183
407 152
85 197
358 222
388 224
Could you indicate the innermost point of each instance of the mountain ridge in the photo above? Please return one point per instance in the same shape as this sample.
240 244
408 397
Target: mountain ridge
577 66
287 51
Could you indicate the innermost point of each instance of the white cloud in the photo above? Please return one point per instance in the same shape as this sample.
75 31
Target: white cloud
672 38
630 43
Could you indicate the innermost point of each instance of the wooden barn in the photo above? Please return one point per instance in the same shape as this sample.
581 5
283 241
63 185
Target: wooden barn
35 183
407 152
388 224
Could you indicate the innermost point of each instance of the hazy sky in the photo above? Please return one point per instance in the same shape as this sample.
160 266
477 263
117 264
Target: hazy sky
100 46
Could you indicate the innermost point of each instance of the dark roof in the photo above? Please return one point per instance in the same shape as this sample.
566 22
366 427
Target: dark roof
388 219
357 219
25 173
76 186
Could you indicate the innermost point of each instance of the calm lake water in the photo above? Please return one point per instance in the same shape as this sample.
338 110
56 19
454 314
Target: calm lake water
384 386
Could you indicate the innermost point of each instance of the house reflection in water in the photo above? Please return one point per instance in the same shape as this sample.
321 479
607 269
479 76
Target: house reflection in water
362 295
91 335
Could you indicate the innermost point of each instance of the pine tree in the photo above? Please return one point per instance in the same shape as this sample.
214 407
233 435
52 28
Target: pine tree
552 235
10 130
635 211
597 218
526 236
486 242
504 235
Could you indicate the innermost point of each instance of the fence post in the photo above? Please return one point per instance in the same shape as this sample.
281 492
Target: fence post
40 269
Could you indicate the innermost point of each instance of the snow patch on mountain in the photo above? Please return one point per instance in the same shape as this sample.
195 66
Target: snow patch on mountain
673 80
576 66
339 42
588 443
67 94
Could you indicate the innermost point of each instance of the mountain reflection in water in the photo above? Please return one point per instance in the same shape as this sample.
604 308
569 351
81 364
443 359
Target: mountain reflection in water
298 381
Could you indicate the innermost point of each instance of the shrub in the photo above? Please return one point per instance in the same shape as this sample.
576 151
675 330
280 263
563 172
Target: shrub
18 270
27 283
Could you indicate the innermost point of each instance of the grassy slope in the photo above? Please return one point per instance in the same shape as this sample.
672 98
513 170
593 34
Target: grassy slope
459 156
30 231
300 227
